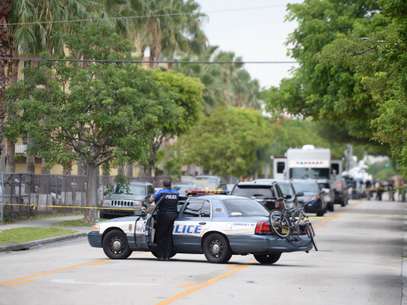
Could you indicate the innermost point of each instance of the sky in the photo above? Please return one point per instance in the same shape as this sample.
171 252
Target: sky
258 33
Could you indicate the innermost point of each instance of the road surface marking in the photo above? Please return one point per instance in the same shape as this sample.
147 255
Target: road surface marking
233 269
75 282
39 275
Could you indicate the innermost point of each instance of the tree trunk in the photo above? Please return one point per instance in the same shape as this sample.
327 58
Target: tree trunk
129 170
120 170
5 51
82 168
91 192
67 169
44 169
30 159
10 154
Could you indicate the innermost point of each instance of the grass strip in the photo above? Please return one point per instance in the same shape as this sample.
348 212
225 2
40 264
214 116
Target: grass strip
27 234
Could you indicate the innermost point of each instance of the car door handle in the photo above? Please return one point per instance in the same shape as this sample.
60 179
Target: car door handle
202 223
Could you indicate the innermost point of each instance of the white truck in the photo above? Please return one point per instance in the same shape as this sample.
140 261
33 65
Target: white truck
307 162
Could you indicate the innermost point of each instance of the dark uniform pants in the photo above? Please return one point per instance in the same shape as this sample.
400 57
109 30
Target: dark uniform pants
165 226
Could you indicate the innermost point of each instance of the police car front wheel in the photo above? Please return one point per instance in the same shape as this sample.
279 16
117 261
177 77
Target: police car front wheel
267 259
115 245
216 248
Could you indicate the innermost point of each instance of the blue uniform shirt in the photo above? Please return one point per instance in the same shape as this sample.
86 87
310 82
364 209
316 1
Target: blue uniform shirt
157 196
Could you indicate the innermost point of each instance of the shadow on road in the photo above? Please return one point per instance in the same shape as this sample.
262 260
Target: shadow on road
253 263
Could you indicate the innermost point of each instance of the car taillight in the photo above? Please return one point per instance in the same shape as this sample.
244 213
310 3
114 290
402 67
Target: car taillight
262 228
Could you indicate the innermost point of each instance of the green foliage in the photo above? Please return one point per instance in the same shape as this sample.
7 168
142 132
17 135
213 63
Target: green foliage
225 84
382 170
27 234
352 73
182 98
291 133
229 142
104 114
99 113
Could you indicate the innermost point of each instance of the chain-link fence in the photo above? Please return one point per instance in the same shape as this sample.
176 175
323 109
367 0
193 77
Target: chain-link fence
24 195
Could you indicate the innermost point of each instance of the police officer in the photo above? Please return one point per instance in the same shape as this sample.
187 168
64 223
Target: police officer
167 201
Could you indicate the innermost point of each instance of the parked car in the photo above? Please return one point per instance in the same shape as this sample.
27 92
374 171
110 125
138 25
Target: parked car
268 193
209 182
287 189
126 199
309 195
328 194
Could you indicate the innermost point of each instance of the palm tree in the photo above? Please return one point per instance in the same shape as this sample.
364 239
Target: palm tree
225 83
173 27
5 9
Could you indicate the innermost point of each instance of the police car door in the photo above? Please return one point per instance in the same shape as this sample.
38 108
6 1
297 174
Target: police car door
192 220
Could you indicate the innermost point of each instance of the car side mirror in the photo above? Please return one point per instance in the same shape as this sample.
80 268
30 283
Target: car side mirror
300 194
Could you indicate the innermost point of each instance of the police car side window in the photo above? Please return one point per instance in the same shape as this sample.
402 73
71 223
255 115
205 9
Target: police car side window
206 209
197 208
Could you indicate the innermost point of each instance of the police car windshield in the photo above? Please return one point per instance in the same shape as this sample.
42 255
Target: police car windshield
244 207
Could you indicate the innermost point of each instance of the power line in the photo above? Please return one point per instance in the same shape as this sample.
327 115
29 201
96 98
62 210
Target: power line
135 61
174 14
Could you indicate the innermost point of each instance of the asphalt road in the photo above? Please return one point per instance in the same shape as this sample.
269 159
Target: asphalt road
359 262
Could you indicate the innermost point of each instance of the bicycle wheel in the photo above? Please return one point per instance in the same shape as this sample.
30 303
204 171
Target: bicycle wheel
280 224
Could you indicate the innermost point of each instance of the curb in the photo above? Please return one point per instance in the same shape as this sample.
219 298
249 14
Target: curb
41 242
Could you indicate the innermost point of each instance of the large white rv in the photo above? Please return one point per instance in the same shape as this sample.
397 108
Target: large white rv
307 162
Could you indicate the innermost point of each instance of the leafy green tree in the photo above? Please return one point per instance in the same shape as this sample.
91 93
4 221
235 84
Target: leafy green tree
229 142
181 100
352 70
95 113
104 115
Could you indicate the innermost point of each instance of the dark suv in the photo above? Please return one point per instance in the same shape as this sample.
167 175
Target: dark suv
126 200
268 193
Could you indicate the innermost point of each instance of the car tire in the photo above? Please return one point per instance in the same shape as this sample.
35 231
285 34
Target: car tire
267 259
216 248
115 245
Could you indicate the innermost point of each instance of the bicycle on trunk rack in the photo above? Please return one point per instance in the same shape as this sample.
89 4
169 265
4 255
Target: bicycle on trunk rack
291 223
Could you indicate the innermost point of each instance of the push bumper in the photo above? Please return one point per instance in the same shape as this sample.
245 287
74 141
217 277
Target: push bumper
268 243
95 239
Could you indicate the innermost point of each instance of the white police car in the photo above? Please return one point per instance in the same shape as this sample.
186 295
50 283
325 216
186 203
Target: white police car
218 226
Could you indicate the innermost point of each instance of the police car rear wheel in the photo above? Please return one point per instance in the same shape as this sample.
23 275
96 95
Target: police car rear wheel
267 259
216 248
115 245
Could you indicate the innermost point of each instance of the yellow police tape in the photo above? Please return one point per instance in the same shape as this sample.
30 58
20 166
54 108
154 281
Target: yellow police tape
34 206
